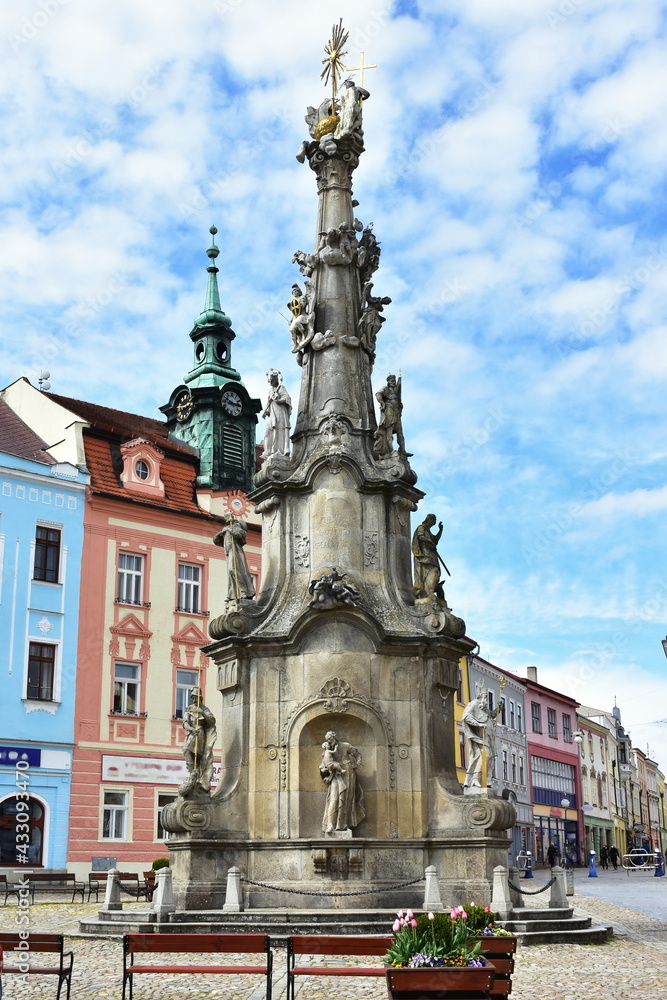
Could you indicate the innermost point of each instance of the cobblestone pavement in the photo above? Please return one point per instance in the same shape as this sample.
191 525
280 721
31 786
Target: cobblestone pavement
631 966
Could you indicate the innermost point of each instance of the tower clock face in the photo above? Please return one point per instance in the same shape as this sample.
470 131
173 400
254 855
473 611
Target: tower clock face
232 403
184 406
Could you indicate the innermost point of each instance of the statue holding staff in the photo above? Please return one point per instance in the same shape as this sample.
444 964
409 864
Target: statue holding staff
233 537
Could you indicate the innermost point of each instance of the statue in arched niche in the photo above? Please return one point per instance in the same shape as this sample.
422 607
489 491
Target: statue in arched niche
344 808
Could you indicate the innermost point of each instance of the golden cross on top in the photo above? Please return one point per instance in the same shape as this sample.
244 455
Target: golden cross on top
361 67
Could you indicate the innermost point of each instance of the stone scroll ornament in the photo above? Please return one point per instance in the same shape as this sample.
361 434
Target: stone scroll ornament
277 414
344 807
200 734
232 537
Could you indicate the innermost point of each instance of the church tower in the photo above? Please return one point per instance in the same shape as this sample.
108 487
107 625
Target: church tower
212 410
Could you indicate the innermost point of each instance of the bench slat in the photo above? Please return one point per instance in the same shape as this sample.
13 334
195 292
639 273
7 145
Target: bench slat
339 944
199 968
170 943
337 970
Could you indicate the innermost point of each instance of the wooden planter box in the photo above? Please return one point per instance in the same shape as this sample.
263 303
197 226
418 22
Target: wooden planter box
500 952
452 983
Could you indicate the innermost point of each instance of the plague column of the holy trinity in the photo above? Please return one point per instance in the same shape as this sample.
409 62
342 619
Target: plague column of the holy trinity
337 681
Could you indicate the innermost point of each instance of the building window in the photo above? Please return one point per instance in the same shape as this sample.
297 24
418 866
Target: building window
142 469
130 578
622 753
114 816
567 728
186 680
519 720
553 781
551 723
511 715
126 689
462 751
189 581
505 764
163 799
521 781
514 767
47 554
459 689
502 712
490 700
602 750
41 671
536 712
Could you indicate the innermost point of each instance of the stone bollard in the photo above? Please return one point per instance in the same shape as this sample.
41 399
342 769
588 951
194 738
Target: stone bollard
432 898
501 901
592 870
112 900
515 894
163 897
233 897
557 897
569 882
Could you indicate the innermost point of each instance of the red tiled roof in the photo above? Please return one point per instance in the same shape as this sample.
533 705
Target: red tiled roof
177 473
16 438
109 429
121 424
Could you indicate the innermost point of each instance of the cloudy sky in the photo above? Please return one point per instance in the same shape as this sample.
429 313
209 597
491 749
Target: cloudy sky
515 173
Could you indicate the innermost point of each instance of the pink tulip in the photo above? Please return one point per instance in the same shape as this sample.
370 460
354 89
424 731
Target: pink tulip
464 914
409 914
413 922
487 909
454 914
431 916
400 913
396 926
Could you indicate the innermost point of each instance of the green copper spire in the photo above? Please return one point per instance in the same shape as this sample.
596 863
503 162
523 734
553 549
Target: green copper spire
212 314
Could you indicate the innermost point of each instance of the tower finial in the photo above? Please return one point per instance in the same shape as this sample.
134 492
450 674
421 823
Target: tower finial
212 309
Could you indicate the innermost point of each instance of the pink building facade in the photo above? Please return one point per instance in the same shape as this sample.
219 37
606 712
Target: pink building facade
555 772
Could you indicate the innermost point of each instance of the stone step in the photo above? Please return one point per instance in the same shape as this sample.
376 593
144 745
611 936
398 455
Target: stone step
537 926
597 934
279 931
540 913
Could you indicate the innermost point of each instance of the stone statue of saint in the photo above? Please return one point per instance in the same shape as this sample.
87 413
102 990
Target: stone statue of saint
199 725
391 407
232 537
371 319
277 414
344 807
478 726
426 559
350 107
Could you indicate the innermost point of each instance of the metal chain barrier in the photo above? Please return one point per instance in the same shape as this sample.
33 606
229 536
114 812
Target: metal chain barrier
533 892
305 892
136 893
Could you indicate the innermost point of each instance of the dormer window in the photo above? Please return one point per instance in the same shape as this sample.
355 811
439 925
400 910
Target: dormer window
141 467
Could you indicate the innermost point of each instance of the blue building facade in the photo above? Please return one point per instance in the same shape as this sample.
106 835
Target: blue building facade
41 540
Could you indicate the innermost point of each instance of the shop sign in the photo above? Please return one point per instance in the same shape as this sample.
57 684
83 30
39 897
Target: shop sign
148 770
10 756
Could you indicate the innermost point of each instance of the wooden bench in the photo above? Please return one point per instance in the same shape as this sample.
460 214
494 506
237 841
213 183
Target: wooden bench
336 944
31 944
9 888
195 944
54 882
98 880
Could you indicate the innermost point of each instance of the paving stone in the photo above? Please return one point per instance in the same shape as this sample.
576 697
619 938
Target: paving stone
631 966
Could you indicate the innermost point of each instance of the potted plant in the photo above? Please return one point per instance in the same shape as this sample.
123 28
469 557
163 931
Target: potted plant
497 944
435 954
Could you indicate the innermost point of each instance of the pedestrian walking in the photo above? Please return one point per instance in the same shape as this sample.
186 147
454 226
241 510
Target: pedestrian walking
604 856
552 855
613 856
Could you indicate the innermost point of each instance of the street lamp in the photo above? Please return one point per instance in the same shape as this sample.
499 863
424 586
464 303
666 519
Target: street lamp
565 804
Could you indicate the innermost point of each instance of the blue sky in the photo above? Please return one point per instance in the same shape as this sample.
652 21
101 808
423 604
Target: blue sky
515 173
